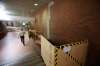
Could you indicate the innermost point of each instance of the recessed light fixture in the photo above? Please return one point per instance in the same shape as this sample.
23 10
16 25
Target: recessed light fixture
36 4
23 23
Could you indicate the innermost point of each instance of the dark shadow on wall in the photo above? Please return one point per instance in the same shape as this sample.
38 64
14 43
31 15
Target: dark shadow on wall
3 30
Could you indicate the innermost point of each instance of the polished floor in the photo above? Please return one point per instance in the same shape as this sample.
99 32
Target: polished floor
14 53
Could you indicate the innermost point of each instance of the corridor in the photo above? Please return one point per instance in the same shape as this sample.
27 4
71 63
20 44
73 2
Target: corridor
64 32
14 53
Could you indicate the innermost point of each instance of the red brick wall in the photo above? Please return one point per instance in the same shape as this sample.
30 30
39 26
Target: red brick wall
74 20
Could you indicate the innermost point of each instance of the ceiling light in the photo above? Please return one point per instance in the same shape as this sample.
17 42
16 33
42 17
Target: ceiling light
3 13
2 7
36 4
23 23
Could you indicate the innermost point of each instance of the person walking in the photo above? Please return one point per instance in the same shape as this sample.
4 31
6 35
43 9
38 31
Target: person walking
22 37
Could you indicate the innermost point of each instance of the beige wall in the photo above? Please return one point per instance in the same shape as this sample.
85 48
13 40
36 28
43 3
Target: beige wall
41 21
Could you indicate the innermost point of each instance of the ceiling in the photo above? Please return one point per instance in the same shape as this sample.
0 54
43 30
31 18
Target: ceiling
22 8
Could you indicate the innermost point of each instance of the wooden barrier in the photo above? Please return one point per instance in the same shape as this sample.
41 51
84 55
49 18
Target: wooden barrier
72 54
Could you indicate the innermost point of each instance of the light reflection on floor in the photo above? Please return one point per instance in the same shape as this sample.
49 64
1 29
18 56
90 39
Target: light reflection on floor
12 50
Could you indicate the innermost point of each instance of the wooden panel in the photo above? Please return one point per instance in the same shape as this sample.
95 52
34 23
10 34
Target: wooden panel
56 55
47 52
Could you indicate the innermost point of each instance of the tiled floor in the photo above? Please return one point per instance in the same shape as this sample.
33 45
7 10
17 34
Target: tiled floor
13 53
